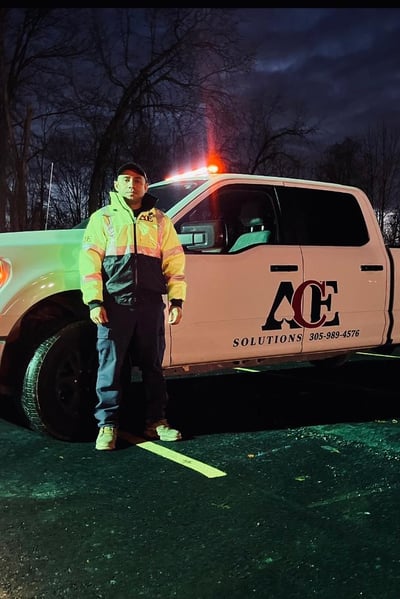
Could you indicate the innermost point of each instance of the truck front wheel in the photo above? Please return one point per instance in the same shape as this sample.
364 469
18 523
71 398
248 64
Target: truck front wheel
58 390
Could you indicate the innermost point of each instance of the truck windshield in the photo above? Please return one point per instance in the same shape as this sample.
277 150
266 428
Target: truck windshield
170 192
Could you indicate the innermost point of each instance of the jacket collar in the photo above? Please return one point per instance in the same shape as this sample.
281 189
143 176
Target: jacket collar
148 202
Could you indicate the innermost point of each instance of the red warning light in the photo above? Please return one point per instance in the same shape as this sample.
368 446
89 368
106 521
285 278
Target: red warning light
215 164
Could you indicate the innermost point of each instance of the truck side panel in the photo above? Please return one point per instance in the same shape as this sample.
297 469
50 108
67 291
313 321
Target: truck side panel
230 313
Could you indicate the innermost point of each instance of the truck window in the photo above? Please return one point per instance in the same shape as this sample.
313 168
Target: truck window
244 216
320 217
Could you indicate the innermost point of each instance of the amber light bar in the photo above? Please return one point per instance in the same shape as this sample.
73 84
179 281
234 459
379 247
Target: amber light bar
203 170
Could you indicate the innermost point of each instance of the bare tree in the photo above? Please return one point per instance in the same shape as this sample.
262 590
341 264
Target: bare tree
84 89
122 78
266 135
35 48
342 162
381 158
60 193
7 147
164 67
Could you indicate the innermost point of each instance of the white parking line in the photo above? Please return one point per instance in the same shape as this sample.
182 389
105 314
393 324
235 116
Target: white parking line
172 455
377 355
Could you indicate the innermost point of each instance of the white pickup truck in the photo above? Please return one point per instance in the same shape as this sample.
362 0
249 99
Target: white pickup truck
278 270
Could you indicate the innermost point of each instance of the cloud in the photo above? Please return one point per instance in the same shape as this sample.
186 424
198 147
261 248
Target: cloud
341 64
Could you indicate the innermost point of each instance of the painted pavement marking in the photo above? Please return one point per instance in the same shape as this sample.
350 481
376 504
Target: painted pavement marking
172 455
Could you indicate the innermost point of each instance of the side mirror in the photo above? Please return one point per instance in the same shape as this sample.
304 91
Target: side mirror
202 235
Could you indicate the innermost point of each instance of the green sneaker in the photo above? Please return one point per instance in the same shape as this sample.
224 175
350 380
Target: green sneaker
107 438
162 431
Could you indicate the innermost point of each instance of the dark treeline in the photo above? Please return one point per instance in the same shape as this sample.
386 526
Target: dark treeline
84 89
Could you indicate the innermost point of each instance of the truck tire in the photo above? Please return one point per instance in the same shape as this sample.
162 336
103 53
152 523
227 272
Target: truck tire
58 390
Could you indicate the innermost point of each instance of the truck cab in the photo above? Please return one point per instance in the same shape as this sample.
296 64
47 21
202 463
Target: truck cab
279 269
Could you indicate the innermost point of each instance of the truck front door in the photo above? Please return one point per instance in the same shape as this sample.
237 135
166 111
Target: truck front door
241 286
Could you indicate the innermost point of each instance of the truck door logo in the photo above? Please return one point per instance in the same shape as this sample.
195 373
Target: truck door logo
320 308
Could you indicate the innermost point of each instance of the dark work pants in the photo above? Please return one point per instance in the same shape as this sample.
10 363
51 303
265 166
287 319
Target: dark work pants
142 331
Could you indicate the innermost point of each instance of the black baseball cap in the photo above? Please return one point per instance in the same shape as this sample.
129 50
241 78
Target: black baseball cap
131 166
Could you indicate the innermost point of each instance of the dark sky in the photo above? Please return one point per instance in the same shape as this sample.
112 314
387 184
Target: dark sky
342 64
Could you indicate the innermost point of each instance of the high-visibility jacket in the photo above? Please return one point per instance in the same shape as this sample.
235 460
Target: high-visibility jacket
132 258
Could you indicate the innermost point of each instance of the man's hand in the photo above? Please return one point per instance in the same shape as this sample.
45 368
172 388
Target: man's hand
98 315
175 315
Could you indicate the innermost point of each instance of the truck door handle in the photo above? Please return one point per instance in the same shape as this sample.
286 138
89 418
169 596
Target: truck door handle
283 267
367 267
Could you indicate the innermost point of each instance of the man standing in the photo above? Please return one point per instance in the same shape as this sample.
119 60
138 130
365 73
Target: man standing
130 257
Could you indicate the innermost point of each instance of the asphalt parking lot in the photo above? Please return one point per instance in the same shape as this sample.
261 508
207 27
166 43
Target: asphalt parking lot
289 491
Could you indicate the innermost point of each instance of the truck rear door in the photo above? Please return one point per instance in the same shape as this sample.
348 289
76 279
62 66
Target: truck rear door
344 292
